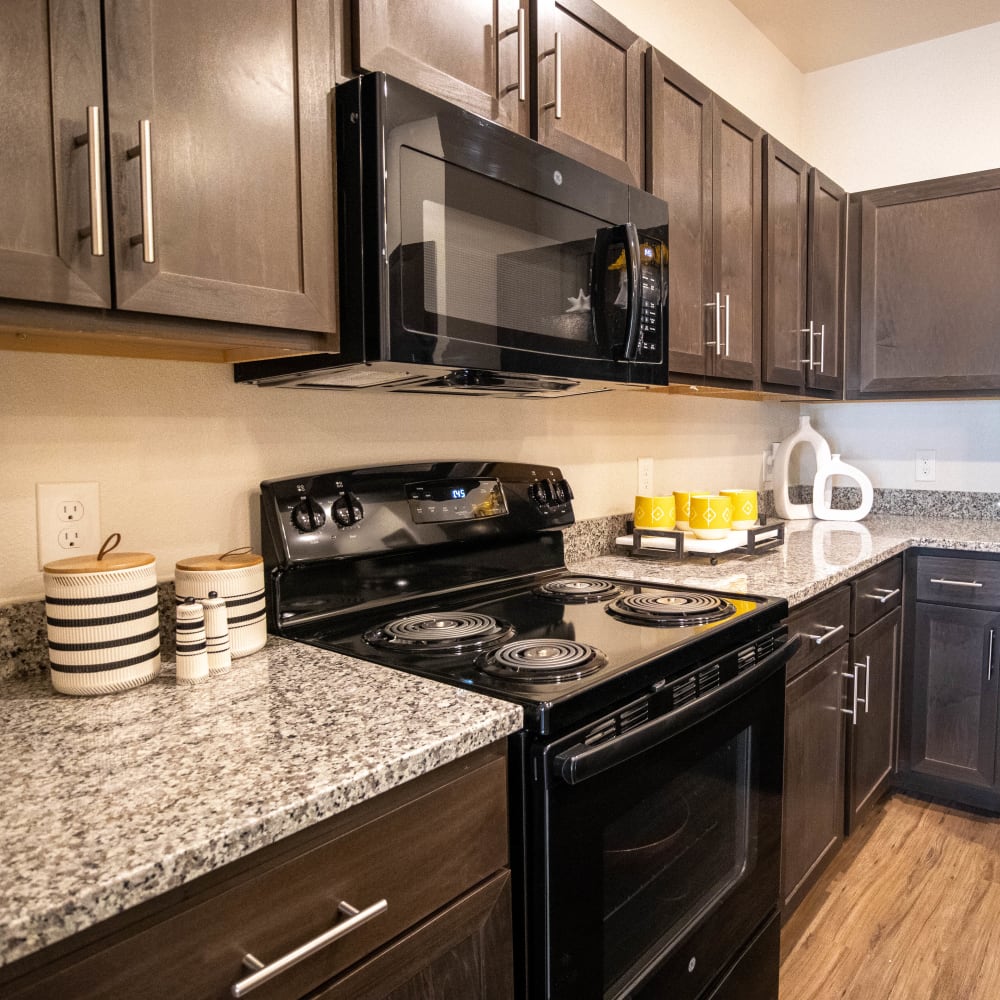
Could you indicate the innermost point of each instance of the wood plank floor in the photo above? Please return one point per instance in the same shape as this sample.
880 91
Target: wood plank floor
909 910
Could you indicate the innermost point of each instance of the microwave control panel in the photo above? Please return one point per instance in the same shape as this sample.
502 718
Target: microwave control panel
652 289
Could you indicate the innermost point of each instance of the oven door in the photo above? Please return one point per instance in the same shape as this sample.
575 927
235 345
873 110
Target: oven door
659 848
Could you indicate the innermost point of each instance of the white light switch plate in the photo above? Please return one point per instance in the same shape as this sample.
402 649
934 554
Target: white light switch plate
69 520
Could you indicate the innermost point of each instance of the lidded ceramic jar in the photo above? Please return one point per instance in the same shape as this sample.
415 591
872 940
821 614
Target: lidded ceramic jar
103 621
238 578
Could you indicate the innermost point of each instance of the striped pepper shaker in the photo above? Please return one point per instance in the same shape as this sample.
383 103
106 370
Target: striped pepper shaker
216 633
192 655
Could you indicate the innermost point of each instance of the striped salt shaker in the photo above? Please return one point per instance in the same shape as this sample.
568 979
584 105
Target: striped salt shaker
103 621
237 577
216 633
192 654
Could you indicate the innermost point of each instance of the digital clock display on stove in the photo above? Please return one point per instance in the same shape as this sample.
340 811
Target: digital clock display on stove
455 500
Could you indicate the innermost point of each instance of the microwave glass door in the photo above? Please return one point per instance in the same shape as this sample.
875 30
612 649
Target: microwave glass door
480 261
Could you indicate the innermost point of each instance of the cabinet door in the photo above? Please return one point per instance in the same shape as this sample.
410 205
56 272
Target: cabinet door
240 207
470 53
825 288
785 343
736 221
812 822
463 951
929 297
953 712
679 170
589 87
872 697
50 74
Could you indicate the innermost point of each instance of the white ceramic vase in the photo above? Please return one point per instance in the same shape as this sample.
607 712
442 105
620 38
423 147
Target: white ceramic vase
809 437
823 490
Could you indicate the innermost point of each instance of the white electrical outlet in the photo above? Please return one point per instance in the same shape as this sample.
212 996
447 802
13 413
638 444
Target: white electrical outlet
69 520
767 464
644 481
925 472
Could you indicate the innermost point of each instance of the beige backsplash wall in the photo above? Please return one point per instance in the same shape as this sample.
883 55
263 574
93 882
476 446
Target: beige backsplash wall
178 449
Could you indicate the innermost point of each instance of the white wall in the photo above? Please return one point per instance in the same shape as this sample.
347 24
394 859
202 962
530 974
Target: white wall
928 110
178 449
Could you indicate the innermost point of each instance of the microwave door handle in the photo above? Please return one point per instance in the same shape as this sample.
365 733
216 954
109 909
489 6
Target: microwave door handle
628 236
580 762
633 275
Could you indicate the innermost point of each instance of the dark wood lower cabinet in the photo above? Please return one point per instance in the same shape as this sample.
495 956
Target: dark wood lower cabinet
953 700
871 732
812 827
463 951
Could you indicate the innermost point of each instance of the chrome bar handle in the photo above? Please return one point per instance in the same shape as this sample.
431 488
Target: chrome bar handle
727 324
717 305
989 661
956 583
92 140
144 151
884 594
853 710
522 56
556 51
264 973
868 676
822 346
829 632
810 360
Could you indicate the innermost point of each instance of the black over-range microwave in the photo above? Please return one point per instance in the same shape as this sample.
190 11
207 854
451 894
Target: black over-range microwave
475 260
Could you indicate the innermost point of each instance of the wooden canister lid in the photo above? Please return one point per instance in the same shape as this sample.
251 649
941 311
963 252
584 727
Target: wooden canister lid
106 561
235 559
110 563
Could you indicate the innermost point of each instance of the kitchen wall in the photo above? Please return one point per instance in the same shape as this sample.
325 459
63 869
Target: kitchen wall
179 449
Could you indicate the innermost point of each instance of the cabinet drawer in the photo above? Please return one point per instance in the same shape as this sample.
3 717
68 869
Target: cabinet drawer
822 623
419 856
972 583
876 593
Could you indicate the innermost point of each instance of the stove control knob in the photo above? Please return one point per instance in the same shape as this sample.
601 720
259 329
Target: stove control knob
347 510
541 492
307 515
567 490
559 490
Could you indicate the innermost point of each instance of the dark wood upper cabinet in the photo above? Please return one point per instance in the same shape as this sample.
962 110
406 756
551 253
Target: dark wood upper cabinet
805 217
924 313
50 75
499 60
785 346
474 53
704 158
240 209
589 94
825 283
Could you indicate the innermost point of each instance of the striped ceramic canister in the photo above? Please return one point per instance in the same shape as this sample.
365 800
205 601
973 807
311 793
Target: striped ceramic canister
238 578
103 622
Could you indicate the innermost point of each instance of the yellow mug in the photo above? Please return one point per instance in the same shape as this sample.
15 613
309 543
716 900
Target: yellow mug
654 512
744 507
711 515
682 502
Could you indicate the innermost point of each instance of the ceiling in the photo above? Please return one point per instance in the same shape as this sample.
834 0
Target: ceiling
815 34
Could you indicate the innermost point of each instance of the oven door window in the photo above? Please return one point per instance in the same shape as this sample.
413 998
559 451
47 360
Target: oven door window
478 261
665 861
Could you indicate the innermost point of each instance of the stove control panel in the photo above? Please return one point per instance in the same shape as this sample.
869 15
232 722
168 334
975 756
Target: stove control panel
455 500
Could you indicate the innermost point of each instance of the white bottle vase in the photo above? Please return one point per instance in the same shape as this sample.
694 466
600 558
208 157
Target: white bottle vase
823 489
808 436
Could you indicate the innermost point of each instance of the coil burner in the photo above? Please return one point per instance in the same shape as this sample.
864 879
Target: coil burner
578 590
444 632
543 661
670 610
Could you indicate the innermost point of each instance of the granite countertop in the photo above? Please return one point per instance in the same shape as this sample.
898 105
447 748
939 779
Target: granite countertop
110 801
816 556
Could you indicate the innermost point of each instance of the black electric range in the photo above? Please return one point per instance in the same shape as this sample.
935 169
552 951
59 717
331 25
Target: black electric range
645 785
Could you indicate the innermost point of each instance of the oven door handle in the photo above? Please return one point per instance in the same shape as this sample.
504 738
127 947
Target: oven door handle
580 762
